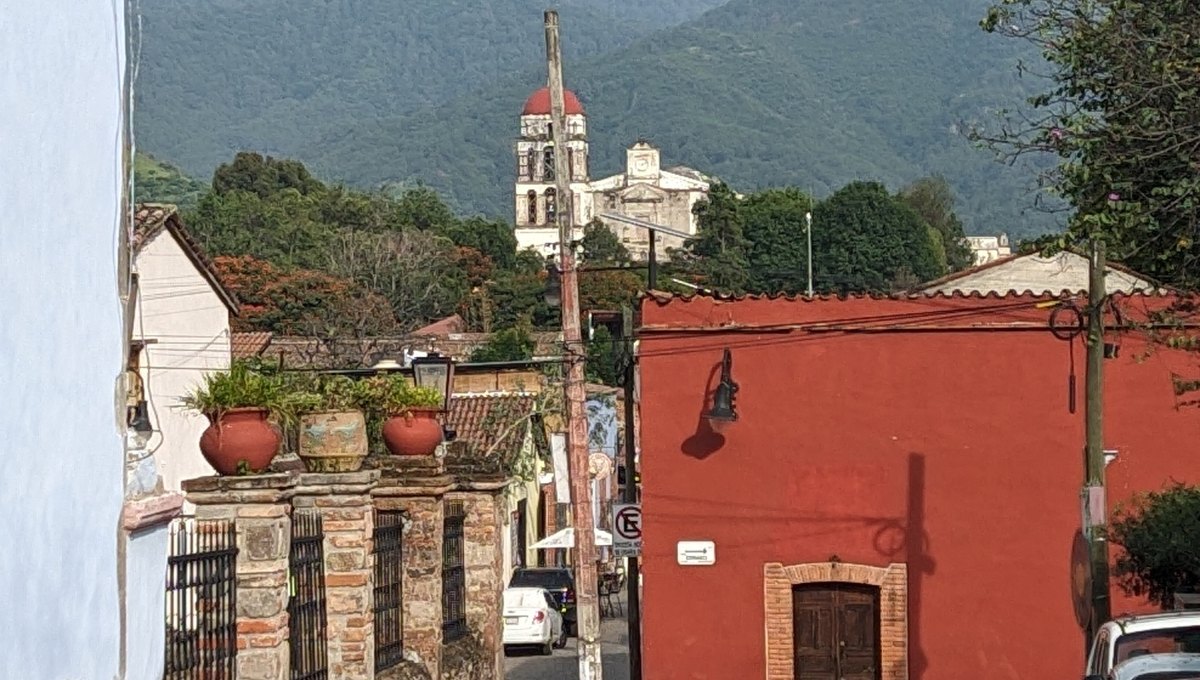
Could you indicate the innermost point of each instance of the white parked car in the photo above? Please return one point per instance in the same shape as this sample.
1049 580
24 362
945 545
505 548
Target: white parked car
531 618
1159 667
1127 637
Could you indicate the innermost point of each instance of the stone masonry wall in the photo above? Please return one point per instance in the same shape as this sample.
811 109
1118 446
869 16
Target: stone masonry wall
422 569
485 582
347 514
261 506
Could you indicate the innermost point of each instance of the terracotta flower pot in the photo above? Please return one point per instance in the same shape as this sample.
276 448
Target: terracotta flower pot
414 433
240 434
333 441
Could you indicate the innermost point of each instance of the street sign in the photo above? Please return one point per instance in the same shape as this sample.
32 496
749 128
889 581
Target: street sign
627 529
695 553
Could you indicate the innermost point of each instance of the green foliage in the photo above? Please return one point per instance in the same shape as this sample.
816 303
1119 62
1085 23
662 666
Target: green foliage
720 249
264 176
601 246
777 230
391 394
243 387
602 357
870 241
778 92
933 200
157 182
1157 533
511 344
1117 113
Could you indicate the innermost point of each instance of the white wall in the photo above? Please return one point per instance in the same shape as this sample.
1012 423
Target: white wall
189 326
61 134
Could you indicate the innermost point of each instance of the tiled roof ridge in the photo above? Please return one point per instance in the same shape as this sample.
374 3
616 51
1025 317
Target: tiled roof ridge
666 297
151 218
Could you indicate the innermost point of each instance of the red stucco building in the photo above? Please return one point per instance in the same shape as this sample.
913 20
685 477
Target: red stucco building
902 484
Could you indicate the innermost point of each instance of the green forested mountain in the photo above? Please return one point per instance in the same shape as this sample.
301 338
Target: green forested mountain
159 182
811 93
219 76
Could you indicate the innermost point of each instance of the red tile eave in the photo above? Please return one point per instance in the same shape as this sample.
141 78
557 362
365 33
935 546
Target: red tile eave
662 312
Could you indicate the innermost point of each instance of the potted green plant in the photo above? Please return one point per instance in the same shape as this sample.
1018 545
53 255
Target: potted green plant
240 404
410 427
333 434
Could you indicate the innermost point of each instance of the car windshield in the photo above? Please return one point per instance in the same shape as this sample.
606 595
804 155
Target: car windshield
542 578
1168 675
1157 642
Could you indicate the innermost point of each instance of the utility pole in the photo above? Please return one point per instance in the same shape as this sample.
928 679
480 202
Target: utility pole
808 232
586 582
1093 495
632 591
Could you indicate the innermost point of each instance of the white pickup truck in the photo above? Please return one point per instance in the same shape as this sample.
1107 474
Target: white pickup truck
1128 637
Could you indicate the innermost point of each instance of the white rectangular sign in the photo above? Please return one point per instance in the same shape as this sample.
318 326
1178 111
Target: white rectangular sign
695 553
558 455
627 529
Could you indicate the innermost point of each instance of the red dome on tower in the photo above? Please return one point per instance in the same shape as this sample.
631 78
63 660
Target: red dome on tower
538 103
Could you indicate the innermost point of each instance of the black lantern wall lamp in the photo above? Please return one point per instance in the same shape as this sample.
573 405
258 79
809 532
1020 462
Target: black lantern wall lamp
723 410
437 371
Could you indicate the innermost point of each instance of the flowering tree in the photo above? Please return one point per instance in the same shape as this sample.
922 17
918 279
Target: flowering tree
1118 112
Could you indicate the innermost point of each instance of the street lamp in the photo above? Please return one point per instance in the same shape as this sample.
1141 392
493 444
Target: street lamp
437 371
723 411
808 232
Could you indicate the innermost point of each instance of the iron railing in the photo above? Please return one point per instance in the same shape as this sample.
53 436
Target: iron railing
454 574
389 588
201 601
306 606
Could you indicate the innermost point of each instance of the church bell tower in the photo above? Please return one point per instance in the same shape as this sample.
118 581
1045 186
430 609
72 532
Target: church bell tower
535 198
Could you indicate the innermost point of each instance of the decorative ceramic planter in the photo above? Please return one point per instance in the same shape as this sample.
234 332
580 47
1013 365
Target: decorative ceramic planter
240 437
414 433
333 441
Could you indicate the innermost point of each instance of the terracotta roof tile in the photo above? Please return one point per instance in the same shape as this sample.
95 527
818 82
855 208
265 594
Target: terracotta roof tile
443 327
251 344
484 421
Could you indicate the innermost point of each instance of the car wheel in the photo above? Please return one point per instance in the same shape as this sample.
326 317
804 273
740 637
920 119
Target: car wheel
561 642
548 648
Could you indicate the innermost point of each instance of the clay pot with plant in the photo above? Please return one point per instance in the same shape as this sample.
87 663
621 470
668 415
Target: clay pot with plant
333 434
411 427
244 408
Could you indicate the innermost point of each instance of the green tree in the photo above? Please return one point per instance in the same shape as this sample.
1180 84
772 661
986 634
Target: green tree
424 209
601 246
933 200
602 356
1118 113
720 249
511 344
1160 554
281 227
493 238
870 241
264 176
776 227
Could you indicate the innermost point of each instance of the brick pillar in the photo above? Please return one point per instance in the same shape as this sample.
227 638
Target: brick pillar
261 506
344 503
486 508
417 486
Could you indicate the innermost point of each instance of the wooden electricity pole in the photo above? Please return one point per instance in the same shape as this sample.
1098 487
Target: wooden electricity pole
586 583
1093 496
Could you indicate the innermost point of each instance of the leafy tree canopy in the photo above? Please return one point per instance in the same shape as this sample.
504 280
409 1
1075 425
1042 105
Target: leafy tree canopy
1117 112
1157 534
510 344
600 245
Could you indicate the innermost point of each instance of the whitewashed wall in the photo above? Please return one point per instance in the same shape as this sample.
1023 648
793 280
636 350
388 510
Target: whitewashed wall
61 136
189 326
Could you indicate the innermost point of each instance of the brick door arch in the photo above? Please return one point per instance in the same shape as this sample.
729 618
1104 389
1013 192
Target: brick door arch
892 582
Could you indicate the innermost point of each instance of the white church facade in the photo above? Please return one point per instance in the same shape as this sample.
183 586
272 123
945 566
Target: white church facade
645 191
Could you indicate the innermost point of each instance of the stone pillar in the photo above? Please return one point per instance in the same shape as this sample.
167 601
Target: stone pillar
261 506
344 503
486 510
417 485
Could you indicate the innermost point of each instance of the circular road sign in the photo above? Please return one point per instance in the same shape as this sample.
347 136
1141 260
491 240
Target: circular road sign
628 523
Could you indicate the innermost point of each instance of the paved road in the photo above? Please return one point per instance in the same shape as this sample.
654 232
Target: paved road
564 664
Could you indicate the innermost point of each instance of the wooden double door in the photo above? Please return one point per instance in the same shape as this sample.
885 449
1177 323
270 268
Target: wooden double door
835 631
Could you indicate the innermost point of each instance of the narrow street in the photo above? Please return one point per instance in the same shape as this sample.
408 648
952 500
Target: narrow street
564 663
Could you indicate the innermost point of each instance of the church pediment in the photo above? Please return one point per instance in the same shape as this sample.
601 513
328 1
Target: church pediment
642 192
